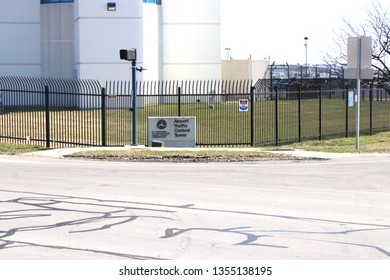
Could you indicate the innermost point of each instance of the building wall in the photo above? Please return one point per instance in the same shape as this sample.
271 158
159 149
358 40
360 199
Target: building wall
179 39
260 69
245 69
152 42
100 34
191 39
57 41
20 53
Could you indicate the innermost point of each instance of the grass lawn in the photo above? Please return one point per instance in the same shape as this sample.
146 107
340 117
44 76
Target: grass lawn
222 125
11 149
378 143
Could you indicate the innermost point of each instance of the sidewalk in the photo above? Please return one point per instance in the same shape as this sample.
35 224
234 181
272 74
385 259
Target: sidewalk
60 153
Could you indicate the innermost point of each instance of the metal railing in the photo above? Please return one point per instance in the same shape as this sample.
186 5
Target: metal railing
62 113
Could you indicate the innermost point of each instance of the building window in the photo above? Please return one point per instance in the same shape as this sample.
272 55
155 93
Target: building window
55 1
157 2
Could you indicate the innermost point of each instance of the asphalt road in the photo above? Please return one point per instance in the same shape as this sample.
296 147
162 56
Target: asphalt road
85 210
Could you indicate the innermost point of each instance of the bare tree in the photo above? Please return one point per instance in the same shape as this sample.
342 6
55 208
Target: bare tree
377 27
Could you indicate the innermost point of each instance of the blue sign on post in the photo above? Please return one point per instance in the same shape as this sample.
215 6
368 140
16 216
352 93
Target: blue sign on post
351 98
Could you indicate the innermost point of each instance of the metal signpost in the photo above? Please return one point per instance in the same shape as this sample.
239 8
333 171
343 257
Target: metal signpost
359 67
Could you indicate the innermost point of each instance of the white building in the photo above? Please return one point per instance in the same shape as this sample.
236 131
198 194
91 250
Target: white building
175 39
20 51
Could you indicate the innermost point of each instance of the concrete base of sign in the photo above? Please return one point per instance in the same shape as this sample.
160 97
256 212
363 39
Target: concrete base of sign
172 131
156 143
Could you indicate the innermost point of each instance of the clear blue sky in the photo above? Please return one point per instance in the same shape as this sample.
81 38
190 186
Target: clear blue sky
276 29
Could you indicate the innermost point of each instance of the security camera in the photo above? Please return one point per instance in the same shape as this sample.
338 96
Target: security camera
129 55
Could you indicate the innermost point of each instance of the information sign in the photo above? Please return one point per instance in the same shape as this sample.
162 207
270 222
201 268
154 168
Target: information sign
172 131
243 105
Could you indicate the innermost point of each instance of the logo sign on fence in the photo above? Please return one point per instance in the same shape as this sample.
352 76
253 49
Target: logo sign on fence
243 105
172 131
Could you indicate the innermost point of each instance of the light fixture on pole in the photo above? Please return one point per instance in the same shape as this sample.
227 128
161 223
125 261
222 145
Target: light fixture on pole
131 55
306 39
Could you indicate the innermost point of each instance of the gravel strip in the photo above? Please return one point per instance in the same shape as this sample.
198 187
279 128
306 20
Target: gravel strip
194 159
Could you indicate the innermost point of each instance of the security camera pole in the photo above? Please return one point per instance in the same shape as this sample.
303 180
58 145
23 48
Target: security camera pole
131 55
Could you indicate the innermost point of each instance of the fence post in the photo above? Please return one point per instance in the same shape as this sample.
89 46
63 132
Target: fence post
299 114
252 116
320 114
276 117
347 112
371 107
104 133
179 101
1 102
47 116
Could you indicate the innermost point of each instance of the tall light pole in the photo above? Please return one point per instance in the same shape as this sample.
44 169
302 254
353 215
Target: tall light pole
306 39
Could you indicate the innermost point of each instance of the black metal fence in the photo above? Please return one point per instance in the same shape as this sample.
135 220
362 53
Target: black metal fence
291 71
62 113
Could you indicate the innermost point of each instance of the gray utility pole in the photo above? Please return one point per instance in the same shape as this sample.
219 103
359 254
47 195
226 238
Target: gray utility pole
359 67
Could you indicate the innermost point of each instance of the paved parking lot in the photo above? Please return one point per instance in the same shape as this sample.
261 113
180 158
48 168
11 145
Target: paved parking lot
72 209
